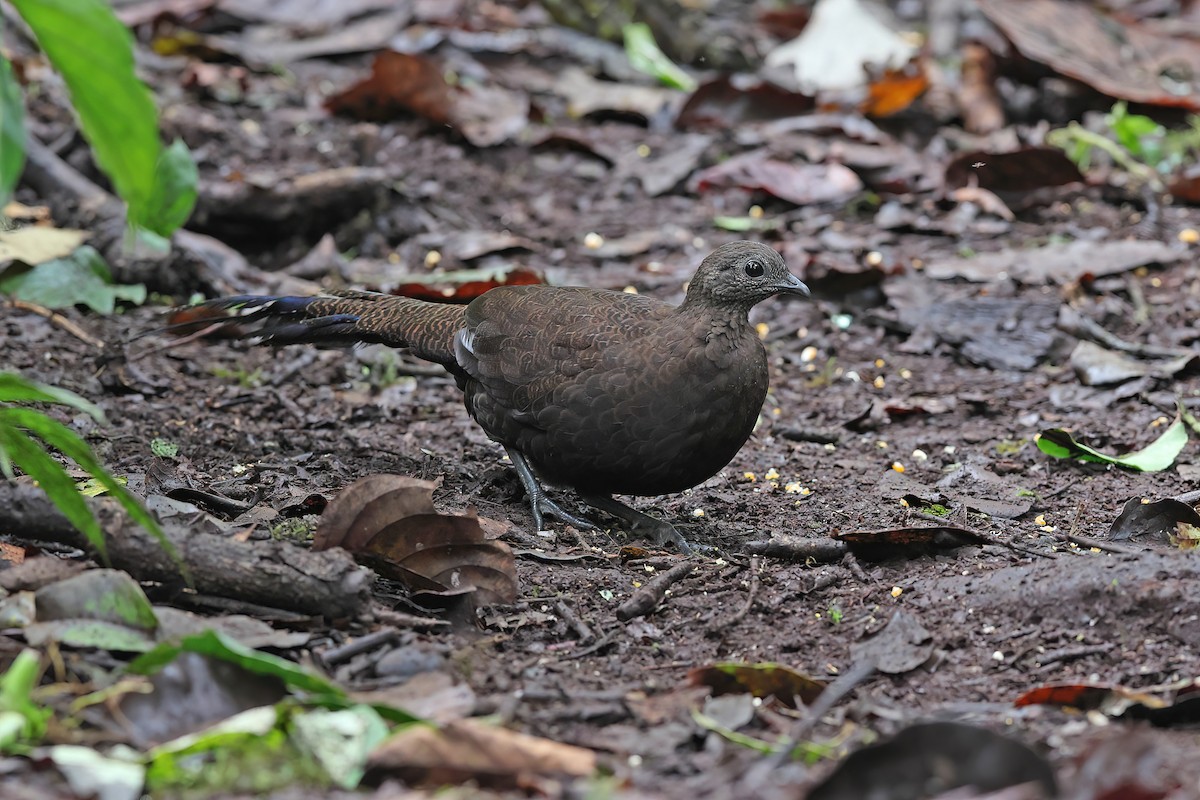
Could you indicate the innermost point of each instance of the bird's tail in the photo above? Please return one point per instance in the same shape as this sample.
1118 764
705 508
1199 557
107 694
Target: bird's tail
341 318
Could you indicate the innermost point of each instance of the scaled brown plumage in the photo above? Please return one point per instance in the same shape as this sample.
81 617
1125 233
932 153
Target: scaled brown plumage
604 392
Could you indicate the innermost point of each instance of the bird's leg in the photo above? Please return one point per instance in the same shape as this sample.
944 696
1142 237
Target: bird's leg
539 502
658 531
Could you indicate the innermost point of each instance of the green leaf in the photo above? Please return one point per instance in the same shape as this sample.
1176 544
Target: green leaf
93 51
217 645
1155 457
645 56
53 479
12 131
69 444
16 389
20 717
175 181
81 278
743 224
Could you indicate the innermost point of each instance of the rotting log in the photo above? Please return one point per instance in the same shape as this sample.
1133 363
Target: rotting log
270 573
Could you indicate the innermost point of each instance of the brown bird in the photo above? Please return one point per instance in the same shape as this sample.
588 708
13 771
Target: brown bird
600 391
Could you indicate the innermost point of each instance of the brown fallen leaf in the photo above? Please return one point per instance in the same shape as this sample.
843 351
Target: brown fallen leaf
729 101
802 184
353 517
1120 58
401 82
898 542
760 680
467 750
390 521
1018 171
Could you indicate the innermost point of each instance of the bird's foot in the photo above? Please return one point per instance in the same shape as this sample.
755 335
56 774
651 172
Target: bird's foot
543 506
539 502
658 531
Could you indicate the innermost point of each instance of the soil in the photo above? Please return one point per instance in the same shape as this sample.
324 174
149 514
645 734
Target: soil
872 424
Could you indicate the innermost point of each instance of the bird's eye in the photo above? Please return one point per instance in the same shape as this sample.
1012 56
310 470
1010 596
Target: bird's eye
755 269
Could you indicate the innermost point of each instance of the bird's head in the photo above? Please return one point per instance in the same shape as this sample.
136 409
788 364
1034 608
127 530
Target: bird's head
741 275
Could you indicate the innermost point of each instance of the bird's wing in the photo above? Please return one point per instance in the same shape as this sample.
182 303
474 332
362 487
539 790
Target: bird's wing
521 343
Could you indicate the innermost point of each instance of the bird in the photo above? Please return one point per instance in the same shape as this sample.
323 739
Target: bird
602 392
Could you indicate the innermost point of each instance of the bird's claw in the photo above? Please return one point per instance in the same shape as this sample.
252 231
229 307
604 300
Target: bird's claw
545 507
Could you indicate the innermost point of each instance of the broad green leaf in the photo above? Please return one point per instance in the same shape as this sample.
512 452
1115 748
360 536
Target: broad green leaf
93 51
12 131
16 389
175 180
645 56
217 645
81 278
88 633
54 480
65 440
104 595
340 741
1155 457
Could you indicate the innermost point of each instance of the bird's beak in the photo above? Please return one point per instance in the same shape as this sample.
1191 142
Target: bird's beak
792 285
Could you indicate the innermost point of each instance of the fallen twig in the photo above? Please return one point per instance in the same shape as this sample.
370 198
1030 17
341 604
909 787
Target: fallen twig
647 598
568 615
810 551
56 319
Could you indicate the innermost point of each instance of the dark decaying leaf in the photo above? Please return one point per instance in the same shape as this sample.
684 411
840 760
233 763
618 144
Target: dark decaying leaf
1122 59
1019 171
802 184
903 645
761 680
191 693
390 519
901 542
929 759
728 101
1157 520
400 82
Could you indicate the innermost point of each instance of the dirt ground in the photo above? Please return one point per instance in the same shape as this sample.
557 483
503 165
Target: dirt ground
893 391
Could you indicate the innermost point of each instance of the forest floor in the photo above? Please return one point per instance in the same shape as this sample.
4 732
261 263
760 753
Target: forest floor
907 393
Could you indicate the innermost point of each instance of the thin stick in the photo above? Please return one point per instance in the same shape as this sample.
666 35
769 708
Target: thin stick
57 319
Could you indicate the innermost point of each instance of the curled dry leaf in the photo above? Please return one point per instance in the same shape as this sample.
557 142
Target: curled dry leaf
391 520
354 516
